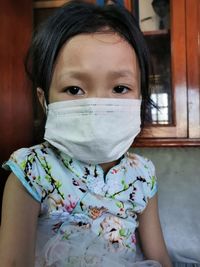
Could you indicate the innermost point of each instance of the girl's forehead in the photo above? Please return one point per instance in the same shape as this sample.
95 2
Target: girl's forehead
93 44
98 53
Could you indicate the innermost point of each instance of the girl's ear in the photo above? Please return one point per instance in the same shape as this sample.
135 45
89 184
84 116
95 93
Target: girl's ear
41 98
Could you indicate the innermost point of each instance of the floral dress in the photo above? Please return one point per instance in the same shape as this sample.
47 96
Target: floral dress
87 217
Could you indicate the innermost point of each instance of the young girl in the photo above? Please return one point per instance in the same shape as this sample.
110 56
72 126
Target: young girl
77 199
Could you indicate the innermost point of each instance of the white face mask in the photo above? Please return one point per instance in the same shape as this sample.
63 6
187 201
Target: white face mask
93 130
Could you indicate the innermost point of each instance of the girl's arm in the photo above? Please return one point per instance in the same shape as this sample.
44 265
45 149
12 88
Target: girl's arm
151 237
18 226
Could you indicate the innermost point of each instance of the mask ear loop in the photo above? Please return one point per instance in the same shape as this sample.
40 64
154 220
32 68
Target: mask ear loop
45 107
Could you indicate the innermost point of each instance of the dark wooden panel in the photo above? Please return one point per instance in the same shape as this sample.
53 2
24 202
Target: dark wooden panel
15 92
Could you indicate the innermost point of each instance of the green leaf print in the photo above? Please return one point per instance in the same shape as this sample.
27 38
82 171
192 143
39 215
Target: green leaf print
38 178
48 178
49 167
62 195
122 232
43 165
66 236
126 187
58 184
23 164
153 182
31 159
119 204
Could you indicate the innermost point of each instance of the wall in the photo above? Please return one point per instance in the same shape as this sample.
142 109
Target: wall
178 173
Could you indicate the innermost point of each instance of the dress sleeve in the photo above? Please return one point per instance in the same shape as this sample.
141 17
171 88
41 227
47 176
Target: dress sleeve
151 185
145 185
24 164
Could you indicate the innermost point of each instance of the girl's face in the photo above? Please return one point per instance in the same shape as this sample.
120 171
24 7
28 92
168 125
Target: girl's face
95 65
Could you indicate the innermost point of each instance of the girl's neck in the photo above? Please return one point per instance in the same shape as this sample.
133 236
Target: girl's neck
107 166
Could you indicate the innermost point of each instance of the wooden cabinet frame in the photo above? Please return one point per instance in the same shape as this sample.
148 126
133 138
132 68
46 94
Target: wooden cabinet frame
193 66
185 66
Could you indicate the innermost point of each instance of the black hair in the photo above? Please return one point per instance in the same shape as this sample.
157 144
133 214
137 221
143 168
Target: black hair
77 17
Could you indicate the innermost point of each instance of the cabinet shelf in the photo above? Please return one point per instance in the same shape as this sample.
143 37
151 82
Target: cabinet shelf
48 4
158 32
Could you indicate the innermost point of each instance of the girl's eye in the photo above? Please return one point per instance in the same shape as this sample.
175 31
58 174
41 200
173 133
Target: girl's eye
120 89
74 90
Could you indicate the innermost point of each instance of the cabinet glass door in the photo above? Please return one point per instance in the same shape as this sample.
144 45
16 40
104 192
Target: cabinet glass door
154 21
163 25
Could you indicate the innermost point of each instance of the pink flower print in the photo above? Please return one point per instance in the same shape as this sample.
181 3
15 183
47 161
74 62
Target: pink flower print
114 171
70 205
133 238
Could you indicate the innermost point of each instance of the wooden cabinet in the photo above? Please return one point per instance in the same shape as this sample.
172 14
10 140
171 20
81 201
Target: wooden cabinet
183 125
184 129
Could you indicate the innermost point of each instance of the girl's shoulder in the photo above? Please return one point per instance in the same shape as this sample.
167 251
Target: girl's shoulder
33 167
33 152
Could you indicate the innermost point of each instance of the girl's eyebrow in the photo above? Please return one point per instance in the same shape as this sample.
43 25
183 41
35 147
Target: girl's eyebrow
112 74
74 74
122 73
